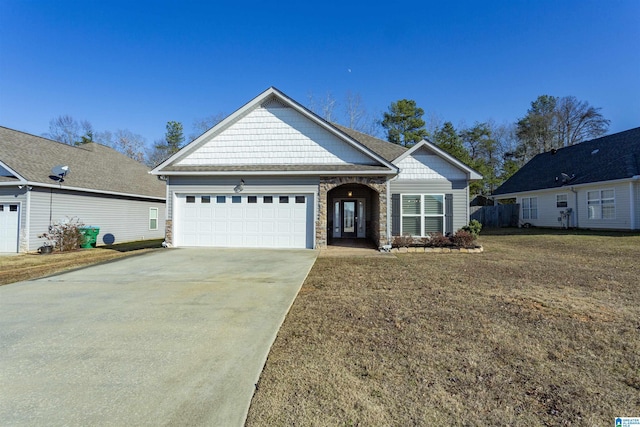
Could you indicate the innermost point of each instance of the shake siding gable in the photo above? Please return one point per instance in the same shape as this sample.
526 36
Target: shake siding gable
422 165
279 136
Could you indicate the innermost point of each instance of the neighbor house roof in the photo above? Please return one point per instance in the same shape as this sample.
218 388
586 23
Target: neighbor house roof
608 158
94 167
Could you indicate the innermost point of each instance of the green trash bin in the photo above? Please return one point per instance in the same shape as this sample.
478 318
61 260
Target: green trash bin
90 236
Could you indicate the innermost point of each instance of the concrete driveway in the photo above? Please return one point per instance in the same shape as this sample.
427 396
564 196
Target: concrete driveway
175 337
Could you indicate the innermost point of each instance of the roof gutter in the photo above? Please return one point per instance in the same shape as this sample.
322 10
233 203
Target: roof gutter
86 190
276 173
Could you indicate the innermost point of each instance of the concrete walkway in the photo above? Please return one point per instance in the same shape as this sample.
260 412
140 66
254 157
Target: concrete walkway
176 337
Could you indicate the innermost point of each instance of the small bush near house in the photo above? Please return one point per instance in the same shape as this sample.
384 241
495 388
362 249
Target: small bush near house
403 241
473 227
463 239
438 240
65 235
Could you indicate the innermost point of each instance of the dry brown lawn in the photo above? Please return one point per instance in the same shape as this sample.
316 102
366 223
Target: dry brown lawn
540 329
15 268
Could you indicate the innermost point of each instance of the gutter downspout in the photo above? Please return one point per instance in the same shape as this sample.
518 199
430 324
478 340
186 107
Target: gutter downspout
633 202
577 222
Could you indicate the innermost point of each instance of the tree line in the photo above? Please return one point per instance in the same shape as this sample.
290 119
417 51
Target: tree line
68 130
496 151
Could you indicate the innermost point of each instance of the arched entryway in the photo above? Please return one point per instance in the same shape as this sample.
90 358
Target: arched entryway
351 211
334 189
353 214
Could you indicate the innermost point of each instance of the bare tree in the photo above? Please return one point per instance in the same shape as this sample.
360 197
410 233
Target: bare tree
68 130
577 121
325 107
126 142
202 125
156 154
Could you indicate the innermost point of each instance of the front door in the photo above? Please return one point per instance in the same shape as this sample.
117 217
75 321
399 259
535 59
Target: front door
349 218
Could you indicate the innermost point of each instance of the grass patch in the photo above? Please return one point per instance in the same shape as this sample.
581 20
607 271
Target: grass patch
537 330
16 268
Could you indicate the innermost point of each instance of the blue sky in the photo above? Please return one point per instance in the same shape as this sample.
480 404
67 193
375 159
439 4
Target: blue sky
138 64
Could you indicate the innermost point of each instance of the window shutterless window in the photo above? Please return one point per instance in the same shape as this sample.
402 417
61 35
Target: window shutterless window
252 199
561 200
205 199
300 199
236 199
267 199
284 199
221 199
529 208
153 218
191 199
601 204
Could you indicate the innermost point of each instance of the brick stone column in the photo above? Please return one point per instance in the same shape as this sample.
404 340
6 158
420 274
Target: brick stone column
168 232
379 221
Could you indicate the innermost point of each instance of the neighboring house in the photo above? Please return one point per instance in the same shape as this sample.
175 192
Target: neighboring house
275 175
103 188
594 184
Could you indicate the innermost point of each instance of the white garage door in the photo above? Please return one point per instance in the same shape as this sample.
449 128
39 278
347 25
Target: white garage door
244 221
9 219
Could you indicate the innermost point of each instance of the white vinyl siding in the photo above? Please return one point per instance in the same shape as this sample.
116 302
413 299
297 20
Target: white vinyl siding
123 219
529 206
422 214
601 204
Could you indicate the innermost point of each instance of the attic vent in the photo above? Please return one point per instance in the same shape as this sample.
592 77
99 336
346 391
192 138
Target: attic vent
273 103
595 151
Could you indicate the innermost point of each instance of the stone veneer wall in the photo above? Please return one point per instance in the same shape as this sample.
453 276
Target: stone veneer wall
378 223
168 232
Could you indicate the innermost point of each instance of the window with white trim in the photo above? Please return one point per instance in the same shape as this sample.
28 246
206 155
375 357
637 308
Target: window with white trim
601 204
561 200
153 218
422 214
529 208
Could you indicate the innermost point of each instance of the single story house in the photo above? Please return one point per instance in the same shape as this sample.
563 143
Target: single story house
275 175
594 184
103 188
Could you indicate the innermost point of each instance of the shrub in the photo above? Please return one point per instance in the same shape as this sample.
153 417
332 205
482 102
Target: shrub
473 227
463 239
438 240
403 241
66 234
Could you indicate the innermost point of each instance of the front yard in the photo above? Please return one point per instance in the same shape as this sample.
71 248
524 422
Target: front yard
537 330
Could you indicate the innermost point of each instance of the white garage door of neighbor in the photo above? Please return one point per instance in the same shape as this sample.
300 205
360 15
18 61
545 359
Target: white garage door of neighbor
9 219
244 221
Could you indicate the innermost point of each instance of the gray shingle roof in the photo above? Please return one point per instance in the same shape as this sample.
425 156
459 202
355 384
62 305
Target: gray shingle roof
92 166
384 149
611 157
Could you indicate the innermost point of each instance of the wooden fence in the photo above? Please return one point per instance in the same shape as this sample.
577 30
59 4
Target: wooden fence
496 216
